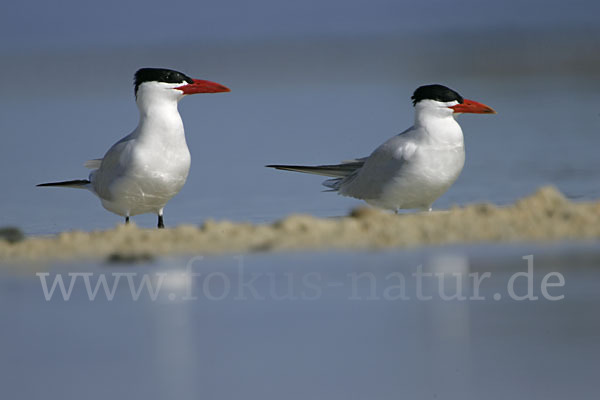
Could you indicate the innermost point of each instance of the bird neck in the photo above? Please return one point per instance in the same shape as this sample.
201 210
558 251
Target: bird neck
159 120
438 125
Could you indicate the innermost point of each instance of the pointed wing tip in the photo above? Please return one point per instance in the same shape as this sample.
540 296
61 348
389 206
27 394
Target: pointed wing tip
283 167
78 183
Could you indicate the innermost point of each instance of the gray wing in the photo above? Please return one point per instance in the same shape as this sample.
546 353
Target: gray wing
112 166
343 169
378 170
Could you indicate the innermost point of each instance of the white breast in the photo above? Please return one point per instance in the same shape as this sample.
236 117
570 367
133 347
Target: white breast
143 171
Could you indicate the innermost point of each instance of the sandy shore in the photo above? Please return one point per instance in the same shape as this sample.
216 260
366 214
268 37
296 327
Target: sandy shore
544 216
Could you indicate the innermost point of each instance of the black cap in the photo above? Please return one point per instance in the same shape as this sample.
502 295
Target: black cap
159 75
436 92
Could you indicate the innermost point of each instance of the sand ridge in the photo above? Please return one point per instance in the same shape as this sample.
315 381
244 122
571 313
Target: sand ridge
544 216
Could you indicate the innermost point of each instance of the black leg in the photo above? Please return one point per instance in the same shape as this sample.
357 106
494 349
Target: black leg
161 223
126 220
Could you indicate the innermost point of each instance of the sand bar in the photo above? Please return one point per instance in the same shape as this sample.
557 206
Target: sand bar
544 216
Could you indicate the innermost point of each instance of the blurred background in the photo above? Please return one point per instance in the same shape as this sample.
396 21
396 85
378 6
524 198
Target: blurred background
313 81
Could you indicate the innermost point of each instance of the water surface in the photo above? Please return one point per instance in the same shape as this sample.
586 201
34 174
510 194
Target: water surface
325 325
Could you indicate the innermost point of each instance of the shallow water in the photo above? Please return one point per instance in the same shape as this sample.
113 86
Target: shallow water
330 325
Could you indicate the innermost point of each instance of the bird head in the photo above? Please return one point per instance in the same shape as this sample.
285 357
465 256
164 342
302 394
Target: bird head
446 100
161 82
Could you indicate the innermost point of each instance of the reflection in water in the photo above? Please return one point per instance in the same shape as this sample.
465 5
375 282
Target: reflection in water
340 341
450 324
174 338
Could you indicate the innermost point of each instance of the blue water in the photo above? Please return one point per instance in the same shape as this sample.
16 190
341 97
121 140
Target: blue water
314 325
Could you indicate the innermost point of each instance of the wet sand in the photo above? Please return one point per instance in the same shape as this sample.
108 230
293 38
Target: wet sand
544 216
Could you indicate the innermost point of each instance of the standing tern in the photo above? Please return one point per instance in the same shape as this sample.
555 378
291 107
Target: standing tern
141 172
410 170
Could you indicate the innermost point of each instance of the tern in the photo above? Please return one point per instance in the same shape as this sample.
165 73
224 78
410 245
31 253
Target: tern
141 172
414 168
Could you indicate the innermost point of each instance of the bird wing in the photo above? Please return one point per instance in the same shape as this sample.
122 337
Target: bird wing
112 167
384 165
343 169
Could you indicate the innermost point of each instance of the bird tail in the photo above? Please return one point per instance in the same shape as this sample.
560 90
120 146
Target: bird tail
77 184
